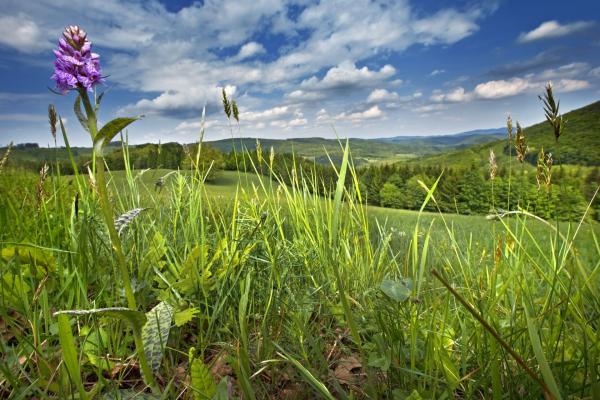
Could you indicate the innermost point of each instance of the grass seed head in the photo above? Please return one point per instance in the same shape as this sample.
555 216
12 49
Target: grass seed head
520 143
234 109
544 170
53 119
226 104
551 107
493 165
509 128
40 186
4 159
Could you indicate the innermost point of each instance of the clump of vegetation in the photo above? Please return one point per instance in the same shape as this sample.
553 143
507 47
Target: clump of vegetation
288 287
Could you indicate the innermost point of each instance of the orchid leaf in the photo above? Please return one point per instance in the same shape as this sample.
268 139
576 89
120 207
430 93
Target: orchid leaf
112 129
79 113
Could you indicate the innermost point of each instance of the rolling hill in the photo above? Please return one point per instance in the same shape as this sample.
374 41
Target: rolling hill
578 145
366 150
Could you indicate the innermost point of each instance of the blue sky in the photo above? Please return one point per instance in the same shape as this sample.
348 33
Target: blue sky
297 68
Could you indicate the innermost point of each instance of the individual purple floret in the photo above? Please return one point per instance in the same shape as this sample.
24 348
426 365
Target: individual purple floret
75 65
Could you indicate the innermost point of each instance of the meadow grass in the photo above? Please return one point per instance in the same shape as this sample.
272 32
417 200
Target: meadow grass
250 288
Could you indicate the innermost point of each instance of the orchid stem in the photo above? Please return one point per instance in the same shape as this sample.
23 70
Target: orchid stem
108 215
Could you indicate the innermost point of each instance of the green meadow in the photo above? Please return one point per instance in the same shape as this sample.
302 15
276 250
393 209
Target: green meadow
247 287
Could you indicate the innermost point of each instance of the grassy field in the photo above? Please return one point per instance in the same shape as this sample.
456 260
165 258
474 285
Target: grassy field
475 231
264 290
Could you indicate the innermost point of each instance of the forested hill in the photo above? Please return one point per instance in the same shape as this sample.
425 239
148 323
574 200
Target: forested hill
364 150
578 145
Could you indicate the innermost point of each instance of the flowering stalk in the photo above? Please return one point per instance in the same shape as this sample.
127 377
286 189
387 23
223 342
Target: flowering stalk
107 213
77 68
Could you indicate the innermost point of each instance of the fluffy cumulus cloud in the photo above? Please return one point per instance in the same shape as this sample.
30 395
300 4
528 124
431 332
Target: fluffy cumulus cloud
174 60
457 95
346 75
563 78
553 29
250 49
501 88
358 116
22 34
381 95
334 61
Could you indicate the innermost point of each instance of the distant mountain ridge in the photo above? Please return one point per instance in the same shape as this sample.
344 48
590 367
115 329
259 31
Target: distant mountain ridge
446 136
367 150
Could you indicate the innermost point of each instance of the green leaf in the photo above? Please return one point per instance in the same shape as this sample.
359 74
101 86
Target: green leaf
79 113
136 318
155 333
534 337
156 252
398 290
14 289
184 316
30 255
94 346
110 130
202 381
221 392
69 350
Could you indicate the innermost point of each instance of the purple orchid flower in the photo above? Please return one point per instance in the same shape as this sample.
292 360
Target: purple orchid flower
75 65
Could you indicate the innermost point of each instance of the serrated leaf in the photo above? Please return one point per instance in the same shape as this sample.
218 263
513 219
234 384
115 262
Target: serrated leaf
79 113
398 290
184 316
202 381
136 318
111 129
155 333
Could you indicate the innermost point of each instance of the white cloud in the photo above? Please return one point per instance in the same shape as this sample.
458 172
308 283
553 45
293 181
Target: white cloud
457 95
498 89
430 108
171 61
371 113
380 95
175 100
250 49
285 124
298 122
553 29
303 95
346 75
572 70
446 26
437 72
22 34
501 88
358 29
267 114
570 85
595 72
